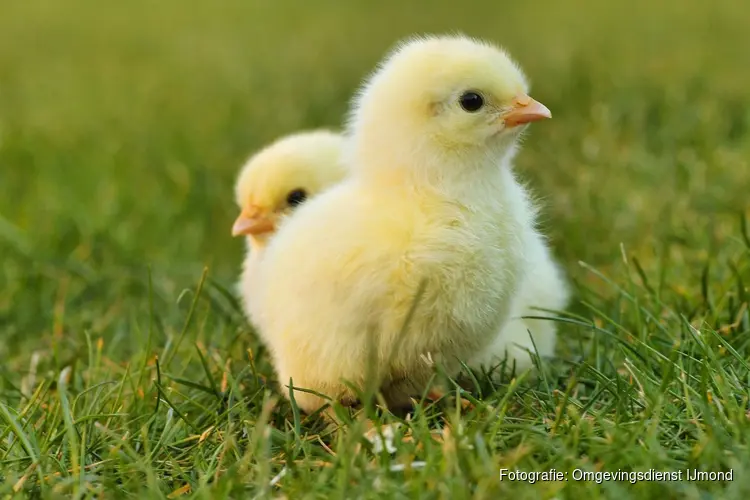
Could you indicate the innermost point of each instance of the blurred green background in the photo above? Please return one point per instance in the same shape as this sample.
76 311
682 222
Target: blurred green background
123 125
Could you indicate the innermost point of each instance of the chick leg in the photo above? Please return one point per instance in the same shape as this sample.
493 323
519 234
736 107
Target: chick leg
401 394
323 393
436 394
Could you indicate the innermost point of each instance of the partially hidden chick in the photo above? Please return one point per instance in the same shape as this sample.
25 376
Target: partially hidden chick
430 201
271 185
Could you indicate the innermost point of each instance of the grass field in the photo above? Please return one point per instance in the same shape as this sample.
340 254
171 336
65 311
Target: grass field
125 361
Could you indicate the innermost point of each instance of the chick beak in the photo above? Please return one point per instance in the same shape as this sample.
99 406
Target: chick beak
525 110
252 222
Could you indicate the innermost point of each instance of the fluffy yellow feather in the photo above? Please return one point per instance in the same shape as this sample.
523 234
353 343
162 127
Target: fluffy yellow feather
272 184
544 287
430 199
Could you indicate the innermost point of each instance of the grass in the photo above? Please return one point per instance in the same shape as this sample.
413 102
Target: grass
127 369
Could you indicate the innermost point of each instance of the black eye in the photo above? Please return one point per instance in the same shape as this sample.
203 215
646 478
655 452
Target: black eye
296 197
471 101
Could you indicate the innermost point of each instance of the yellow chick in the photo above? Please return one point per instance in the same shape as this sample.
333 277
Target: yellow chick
273 183
430 202
544 287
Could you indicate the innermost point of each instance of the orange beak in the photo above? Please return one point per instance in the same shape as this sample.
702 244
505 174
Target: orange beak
525 110
252 221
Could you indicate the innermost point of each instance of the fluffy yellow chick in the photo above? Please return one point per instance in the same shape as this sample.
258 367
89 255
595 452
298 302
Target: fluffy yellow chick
430 199
544 287
273 183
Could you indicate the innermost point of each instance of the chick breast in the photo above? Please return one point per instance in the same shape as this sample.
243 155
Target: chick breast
248 285
545 287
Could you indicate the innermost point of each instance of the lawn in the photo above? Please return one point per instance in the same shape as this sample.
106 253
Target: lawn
127 369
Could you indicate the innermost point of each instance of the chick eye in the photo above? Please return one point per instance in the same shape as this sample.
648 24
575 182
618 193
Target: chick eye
296 197
471 101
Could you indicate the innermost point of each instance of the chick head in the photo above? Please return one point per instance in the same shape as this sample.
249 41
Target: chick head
450 92
283 175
